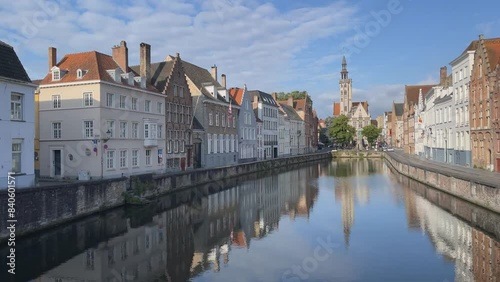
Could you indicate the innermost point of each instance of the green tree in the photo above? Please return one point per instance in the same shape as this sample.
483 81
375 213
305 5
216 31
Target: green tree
371 132
340 130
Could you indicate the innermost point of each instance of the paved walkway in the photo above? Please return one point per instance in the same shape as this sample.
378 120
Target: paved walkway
477 175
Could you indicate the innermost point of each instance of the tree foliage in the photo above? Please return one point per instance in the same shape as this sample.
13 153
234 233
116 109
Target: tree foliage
371 132
340 130
295 95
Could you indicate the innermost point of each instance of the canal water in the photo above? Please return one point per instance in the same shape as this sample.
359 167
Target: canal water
351 220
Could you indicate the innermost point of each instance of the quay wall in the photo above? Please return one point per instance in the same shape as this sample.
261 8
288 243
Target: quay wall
467 187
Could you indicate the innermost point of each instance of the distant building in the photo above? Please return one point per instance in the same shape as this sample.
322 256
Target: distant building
357 112
247 124
297 139
396 125
410 107
266 109
17 120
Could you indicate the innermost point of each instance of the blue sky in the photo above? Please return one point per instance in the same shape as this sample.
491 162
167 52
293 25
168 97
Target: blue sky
282 45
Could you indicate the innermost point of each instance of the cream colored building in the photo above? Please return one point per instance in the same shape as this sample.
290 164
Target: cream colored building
98 118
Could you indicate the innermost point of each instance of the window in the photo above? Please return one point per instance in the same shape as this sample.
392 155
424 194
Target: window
183 146
234 122
110 159
134 104
216 119
56 101
56 130
175 90
16 107
79 73
135 130
123 129
111 127
56 75
181 91
159 107
88 101
135 158
223 120
147 106
123 101
210 119
150 131
169 112
209 138
16 156
88 129
123 158
110 100
148 157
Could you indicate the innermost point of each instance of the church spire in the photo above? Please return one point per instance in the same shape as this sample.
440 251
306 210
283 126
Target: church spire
344 72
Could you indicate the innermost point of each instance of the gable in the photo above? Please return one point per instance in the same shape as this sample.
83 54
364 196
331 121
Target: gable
10 65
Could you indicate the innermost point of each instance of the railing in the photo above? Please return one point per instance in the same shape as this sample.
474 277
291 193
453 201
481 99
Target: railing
150 142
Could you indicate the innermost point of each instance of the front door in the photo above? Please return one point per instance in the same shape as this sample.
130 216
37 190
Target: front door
197 155
56 163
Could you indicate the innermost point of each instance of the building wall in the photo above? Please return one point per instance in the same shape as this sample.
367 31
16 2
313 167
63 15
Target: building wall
444 128
480 124
495 107
461 73
178 133
247 130
22 132
79 153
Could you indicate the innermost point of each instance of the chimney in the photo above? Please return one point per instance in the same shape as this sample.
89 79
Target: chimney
290 101
145 63
443 75
275 97
120 55
52 57
481 36
223 80
214 72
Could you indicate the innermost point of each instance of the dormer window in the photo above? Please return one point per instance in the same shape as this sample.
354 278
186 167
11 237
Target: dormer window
56 74
79 73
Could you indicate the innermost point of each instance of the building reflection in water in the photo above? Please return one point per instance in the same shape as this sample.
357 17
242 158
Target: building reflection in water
447 221
351 187
196 236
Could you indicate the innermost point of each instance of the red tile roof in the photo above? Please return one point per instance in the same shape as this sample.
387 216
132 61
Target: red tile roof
493 49
237 94
412 92
94 65
364 104
336 109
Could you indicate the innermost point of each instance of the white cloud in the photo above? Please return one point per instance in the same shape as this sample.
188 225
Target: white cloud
251 42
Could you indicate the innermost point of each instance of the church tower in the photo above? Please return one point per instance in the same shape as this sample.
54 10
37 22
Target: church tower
345 89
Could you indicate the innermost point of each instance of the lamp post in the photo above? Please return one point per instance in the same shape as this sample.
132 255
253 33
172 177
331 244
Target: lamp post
103 141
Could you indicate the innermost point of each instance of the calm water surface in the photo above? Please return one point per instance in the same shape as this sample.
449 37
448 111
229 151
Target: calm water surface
350 220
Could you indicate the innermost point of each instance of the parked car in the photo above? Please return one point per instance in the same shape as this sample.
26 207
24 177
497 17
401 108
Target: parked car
390 149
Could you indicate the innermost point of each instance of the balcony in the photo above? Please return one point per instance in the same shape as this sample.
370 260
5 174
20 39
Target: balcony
150 143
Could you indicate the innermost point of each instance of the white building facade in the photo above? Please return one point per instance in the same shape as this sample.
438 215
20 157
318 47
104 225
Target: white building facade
247 125
17 122
461 69
444 128
267 111
98 124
